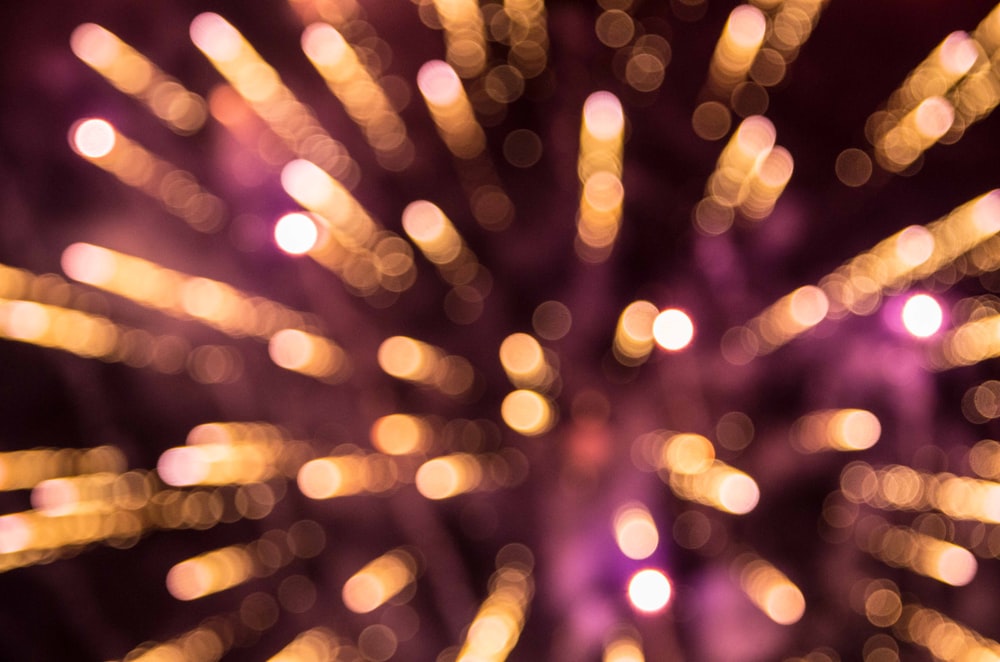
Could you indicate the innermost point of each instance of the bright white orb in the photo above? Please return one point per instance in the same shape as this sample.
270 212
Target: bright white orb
673 329
922 315
295 233
649 590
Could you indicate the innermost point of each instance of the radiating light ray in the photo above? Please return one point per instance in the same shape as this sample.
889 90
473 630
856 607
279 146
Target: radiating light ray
971 343
599 167
318 644
309 354
464 35
749 177
901 546
450 109
378 581
836 429
898 487
415 361
227 567
635 531
435 235
235 460
894 264
100 143
206 643
211 302
769 589
741 39
351 473
134 74
401 434
687 463
634 339
496 628
363 98
447 476
261 86
527 36
24 469
525 362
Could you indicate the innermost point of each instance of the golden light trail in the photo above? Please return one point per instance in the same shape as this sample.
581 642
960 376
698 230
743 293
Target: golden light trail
857 287
687 463
309 354
261 86
349 473
449 106
133 73
635 531
221 569
23 469
898 487
434 234
769 589
749 177
100 143
464 35
363 98
315 645
206 643
527 36
379 581
447 476
901 546
973 342
401 434
741 39
624 648
634 339
525 362
836 429
494 631
211 302
415 361
226 454
599 167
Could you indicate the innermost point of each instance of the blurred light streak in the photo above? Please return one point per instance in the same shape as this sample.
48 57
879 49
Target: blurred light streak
496 628
464 35
634 339
769 589
24 469
527 36
891 266
434 234
599 167
350 473
525 362
738 45
401 434
836 429
309 354
206 643
415 361
240 461
686 462
132 73
211 302
901 546
899 487
221 569
296 233
361 95
100 143
261 86
635 531
449 106
379 581
318 644
750 175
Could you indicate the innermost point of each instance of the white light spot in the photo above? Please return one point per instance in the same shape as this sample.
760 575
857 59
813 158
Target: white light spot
922 315
649 590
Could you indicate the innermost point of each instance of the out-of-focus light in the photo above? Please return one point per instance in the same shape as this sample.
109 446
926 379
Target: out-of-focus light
380 580
770 590
635 531
295 233
93 138
673 329
922 315
649 590
527 412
